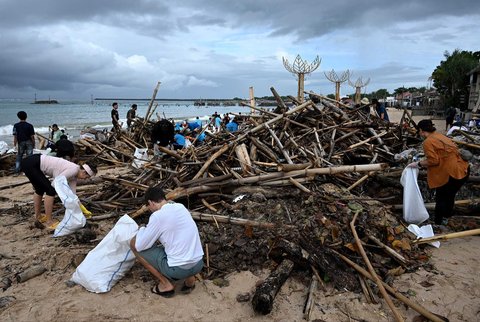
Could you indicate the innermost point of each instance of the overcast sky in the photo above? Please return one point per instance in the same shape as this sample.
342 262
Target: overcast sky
218 48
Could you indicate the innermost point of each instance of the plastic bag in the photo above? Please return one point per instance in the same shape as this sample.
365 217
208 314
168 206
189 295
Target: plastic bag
3 147
73 219
140 157
423 232
414 211
110 260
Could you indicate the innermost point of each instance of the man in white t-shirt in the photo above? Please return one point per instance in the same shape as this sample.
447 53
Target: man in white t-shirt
180 255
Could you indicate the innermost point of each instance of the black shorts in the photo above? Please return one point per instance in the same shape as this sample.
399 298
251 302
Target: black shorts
41 184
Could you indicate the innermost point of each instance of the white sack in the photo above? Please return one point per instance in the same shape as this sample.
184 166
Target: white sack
414 211
140 157
73 219
423 232
110 260
3 147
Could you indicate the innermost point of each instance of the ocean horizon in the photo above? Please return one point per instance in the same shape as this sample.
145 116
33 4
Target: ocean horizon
76 115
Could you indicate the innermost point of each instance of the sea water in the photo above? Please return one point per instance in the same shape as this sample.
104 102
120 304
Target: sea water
74 116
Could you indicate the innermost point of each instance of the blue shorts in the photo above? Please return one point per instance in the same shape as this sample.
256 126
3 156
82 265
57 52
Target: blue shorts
157 257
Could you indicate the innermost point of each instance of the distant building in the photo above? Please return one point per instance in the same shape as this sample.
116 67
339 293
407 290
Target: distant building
404 99
474 100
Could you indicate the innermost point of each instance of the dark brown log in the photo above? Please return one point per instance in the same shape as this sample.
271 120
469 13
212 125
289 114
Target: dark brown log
30 273
265 293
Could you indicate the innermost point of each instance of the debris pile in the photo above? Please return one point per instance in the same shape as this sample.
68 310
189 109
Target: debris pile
288 188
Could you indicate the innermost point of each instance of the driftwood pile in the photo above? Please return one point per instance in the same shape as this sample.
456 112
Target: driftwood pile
288 192
283 189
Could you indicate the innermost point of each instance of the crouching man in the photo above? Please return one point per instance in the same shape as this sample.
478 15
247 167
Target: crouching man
169 246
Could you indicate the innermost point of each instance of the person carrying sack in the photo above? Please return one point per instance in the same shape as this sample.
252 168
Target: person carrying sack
447 171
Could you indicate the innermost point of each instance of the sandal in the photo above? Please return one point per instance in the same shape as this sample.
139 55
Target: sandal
52 226
42 219
187 289
166 294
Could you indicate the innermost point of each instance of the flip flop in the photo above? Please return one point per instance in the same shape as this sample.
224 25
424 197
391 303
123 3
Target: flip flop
42 219
166 294
52 226
187 289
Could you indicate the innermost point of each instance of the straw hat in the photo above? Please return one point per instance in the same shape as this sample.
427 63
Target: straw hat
365 101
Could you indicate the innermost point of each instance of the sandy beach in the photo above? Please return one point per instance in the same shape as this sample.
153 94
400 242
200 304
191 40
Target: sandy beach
450 287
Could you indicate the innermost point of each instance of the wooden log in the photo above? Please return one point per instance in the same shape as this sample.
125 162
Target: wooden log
265 293
244 158
233 220
449 236
278 98
30 273
264 148
376 279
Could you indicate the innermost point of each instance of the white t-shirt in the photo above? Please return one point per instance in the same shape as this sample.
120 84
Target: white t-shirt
175 228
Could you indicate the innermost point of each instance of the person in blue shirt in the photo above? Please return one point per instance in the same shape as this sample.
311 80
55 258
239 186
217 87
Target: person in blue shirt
218 123
200 138
178 141
192 126
198 121
381 110
232 126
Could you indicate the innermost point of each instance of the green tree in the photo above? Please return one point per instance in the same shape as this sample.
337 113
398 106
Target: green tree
381 93
450 77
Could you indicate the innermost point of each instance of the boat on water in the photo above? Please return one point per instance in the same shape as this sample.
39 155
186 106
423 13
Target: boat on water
46 102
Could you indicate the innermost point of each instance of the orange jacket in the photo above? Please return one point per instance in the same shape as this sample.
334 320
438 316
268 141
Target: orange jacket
443 160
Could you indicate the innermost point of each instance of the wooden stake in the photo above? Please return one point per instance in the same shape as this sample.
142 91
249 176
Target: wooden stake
376 279
444 237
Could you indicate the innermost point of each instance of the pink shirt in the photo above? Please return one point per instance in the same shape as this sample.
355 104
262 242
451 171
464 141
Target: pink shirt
55 167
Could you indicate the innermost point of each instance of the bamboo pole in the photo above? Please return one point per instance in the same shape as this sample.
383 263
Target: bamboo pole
417 307
470 145
389 250
151 103
210 160
444 237
431 205
279 144
275 119
376 279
